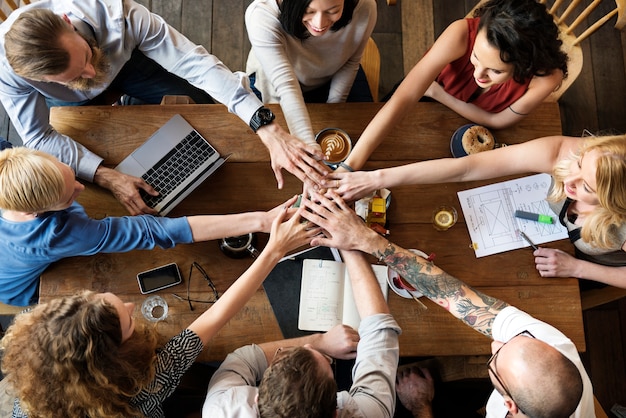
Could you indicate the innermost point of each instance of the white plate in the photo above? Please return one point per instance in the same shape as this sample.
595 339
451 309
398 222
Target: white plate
392 274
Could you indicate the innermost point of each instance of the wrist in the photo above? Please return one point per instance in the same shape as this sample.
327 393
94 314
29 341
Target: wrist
269 133
375 244
317 342
102 176
422 410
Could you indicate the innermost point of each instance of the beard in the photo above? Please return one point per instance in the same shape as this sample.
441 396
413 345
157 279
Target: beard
102 66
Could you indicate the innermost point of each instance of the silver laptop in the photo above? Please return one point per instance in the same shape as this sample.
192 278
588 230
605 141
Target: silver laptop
174 160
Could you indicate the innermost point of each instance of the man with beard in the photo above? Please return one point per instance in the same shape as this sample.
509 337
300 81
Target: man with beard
68 52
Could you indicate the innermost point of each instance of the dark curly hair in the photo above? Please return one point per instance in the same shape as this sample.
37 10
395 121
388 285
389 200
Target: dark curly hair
292 11
526 36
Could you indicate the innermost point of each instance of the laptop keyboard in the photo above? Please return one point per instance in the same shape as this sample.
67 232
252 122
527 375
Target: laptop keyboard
173 169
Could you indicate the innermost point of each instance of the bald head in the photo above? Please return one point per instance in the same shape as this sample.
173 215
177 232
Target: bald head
542 381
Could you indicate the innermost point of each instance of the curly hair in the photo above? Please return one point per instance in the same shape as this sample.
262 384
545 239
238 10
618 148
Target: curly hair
599 225
67 358
525 34
30 180
295 386
292 12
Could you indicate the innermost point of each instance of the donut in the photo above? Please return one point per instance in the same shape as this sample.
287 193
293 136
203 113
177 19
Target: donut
477 139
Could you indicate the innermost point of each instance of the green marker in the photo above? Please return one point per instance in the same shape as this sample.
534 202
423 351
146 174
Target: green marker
544 219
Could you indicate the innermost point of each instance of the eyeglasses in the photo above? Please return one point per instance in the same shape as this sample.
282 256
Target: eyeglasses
492 360
206 277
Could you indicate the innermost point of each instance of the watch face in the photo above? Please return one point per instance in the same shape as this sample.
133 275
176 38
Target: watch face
266 115
261 117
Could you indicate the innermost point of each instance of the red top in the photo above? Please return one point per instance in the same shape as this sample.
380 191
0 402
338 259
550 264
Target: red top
457 79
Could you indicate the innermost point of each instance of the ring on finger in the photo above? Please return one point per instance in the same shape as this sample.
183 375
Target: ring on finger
337 184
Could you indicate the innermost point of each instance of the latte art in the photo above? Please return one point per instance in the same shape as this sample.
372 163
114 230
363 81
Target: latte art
335 147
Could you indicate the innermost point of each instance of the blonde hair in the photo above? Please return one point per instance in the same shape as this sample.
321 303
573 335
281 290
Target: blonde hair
67 358
30 180
599 226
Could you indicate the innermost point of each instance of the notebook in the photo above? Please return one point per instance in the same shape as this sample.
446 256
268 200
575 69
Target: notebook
174 161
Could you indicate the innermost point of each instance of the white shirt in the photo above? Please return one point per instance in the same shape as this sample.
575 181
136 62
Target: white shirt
233 388
510 322
119 26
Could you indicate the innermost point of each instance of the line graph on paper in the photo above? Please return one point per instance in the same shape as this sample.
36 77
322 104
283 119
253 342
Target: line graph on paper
489 214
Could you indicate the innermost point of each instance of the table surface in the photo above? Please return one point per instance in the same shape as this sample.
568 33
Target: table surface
246 182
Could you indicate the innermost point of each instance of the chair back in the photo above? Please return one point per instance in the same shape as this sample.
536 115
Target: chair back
370 61
575 13
7 6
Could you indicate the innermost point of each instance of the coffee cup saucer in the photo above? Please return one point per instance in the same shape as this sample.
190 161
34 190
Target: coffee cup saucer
392 274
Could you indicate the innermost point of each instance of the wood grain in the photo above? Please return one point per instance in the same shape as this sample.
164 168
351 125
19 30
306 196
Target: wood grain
510 276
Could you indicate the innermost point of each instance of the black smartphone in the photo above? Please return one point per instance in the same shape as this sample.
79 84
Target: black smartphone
159 278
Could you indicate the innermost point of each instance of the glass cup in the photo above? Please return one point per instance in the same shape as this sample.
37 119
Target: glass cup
444 217
154 308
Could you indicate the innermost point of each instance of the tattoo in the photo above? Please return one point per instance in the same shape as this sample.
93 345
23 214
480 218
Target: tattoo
469 305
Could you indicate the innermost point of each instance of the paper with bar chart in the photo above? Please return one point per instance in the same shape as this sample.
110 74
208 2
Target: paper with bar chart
489 214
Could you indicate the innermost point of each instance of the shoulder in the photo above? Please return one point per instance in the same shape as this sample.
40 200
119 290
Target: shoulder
452 43
187 343
262 8
456 33
262 19
366 6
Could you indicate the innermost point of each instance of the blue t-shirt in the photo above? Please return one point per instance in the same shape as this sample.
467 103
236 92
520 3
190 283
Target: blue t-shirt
28 248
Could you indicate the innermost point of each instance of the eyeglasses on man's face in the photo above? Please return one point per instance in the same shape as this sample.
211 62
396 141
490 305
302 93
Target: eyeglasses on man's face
492 361
212 298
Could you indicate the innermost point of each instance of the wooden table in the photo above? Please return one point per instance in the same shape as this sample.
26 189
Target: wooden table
247 182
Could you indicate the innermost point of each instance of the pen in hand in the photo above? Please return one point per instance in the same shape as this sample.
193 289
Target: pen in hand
532 244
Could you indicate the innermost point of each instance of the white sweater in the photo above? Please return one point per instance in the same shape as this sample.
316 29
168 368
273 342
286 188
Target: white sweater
285 66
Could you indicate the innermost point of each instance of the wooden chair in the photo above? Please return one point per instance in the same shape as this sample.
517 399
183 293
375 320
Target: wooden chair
7 6
370 61
569 11
11 309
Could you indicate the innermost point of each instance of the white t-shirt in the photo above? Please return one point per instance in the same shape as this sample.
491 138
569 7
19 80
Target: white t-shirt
510 322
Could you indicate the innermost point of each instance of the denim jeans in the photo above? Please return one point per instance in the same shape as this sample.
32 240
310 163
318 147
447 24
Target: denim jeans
360 91
146 82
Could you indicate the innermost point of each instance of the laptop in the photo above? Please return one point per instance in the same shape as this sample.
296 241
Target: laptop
175 160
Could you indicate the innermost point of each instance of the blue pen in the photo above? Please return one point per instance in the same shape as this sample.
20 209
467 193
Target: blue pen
544 219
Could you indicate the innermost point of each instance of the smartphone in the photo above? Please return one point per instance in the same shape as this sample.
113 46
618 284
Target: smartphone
159 278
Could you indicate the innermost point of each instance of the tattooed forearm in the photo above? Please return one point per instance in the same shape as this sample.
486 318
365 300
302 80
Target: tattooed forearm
471 306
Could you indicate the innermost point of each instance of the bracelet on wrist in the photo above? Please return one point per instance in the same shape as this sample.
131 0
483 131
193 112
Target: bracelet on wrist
346 166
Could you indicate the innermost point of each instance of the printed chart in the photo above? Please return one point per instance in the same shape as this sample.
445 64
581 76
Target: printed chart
489 214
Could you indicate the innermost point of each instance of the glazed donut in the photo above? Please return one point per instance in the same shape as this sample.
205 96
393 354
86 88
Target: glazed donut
477 139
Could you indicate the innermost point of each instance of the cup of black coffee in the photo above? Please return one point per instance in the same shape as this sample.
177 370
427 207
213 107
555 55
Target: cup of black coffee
240 246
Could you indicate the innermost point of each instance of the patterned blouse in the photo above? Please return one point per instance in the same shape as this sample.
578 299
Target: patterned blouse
173 360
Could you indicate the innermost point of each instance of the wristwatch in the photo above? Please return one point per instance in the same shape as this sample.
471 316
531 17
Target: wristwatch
263 116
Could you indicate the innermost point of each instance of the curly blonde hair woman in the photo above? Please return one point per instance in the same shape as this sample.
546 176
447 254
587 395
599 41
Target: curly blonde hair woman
588 195
84 355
